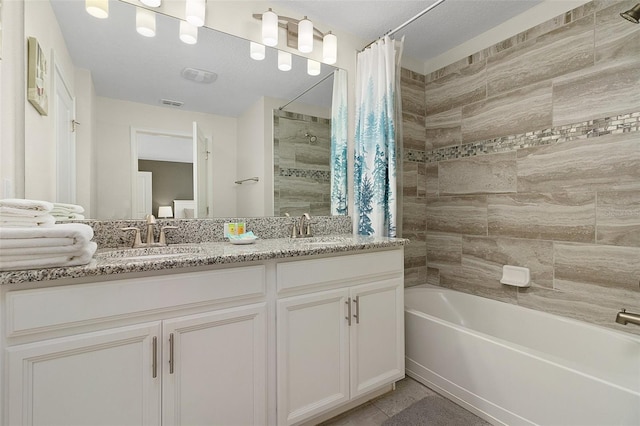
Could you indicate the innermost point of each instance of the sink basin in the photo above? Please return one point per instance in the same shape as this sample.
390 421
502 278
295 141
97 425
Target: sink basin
150 253
320 241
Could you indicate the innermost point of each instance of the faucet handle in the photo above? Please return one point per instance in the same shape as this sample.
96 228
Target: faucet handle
137 242
163 241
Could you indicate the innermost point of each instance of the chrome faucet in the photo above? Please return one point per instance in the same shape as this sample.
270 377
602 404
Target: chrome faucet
304 226
623 317
151 220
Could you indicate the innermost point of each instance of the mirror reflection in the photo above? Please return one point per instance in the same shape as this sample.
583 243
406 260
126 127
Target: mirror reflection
211 95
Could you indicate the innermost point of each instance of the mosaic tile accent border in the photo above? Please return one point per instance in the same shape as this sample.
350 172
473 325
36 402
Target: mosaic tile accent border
317 175
623 123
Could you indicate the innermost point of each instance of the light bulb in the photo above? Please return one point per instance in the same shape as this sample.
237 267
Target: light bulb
151 3
270 28
257 51
188 33
284 60
330 49
145 22
195 12
305 36
313 67
97 8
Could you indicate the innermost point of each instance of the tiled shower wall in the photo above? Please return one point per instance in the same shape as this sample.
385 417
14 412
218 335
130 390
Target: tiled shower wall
528 153
301 164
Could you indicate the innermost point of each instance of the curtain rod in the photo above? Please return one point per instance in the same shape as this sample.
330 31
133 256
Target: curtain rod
404 24
303 93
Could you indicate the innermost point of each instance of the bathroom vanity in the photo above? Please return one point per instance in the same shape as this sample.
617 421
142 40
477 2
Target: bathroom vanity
278 332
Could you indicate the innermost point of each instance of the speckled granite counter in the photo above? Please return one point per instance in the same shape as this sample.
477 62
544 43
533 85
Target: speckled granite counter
107 262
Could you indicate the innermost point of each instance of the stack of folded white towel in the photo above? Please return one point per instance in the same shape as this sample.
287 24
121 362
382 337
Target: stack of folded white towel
63 212
30 240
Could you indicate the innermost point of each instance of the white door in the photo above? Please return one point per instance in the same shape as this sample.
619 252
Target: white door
64 115
377 335
215 368
101 378
144 194
313 354
200 166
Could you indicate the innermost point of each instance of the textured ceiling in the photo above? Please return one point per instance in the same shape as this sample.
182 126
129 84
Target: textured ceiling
128 66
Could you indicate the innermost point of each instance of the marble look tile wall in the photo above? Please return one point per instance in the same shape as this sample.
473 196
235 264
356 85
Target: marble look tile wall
301 166
532 158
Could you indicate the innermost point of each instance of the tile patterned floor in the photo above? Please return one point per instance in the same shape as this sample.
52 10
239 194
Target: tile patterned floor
374 412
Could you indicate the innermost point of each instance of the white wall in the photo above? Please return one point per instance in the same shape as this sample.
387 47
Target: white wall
114 120
39 140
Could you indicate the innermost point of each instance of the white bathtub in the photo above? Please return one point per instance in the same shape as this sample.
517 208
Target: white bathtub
517 366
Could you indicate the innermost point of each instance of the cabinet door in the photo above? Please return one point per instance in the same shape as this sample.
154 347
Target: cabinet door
100 378
313 354
214 370
377 335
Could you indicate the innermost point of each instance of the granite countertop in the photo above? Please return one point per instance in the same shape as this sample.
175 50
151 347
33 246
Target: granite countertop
125 260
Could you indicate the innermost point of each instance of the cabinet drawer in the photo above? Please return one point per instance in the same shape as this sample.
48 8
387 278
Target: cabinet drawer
37 310
315 272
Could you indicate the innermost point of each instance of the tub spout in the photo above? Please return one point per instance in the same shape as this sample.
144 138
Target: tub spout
625 317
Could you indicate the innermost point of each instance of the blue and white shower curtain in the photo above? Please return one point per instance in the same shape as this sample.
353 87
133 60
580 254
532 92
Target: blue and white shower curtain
339 129
375 139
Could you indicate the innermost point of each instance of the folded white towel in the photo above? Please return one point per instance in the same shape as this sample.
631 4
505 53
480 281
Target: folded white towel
67 217
79 232
42 251
24 221
26 204
72 208
32 243
80 257
12 211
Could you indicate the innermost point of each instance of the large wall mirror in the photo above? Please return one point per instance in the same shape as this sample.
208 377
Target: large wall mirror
168 87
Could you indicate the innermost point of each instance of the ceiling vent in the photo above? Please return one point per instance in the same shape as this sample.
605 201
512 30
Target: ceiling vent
199 76
169 102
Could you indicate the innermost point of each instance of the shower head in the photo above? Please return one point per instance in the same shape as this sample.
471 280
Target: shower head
632 14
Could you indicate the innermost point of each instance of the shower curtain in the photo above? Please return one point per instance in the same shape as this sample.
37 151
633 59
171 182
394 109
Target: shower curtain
375 197
339 128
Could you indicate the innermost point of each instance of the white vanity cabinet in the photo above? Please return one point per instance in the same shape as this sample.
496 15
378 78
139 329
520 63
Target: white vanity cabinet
341 334
197 357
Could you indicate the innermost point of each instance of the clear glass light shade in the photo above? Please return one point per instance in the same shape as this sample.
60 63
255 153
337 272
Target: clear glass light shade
97 8
188 33
270 28
145 22
313 67
151 3
305 36
257 51
284 60
195 12
330 49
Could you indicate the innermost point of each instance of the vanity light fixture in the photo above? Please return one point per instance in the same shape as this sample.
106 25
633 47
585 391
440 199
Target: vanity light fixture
284 60
151 3
257 51
269 28
145 22
195 12
188 33
313 67
305 36
97 8
165 212
300 34
329 48
633 14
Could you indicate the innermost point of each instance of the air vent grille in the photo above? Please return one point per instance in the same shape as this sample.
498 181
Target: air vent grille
172 103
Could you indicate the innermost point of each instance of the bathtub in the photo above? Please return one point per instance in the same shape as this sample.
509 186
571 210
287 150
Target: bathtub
517 366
